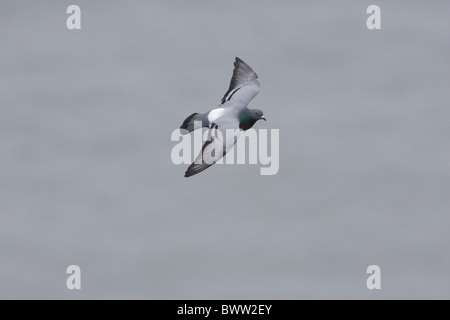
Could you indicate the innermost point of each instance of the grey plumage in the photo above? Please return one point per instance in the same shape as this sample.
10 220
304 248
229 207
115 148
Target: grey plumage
188 124
242 74
232 114
195 168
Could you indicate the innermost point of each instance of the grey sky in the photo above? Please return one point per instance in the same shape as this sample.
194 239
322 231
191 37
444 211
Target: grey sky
86 176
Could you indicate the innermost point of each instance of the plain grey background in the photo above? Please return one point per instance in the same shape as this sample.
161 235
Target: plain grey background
86 176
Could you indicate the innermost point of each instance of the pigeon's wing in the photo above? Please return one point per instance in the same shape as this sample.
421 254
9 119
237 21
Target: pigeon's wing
201 164
244 85
216 147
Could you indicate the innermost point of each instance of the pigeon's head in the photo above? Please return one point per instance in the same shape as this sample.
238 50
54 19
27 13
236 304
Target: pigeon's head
248 118
257 114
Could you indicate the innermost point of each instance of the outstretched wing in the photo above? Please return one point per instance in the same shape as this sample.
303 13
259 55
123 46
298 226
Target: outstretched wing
244 85
217 146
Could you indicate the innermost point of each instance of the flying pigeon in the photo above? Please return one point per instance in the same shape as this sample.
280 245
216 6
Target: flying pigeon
231 114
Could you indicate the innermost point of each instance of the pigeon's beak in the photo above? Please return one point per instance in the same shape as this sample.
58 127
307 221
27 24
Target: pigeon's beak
264 118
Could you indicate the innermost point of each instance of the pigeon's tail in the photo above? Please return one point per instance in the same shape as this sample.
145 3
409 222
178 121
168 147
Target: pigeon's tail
188 124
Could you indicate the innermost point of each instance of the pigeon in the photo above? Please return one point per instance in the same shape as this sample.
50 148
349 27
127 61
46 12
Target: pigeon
232 113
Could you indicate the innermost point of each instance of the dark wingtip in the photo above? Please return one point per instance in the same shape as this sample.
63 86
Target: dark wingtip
196 169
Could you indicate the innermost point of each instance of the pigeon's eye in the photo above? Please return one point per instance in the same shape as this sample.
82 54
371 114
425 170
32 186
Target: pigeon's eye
257 114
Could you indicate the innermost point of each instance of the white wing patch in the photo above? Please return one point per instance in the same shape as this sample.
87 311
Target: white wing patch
215 114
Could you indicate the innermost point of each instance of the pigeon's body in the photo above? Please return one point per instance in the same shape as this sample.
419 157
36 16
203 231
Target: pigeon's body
232 114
